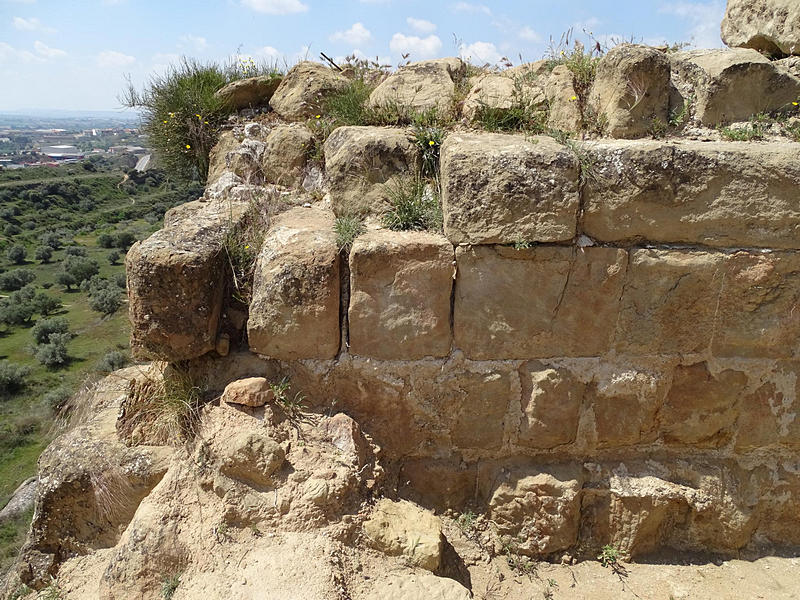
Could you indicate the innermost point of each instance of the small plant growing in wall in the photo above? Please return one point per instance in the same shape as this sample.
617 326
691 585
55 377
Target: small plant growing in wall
609 556
292 405
347 229
169 585
413 205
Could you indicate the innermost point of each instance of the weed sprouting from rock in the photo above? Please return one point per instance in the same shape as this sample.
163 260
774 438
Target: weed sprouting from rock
347 229
169 585
413 206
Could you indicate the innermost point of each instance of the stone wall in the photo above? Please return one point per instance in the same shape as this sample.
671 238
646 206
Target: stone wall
599 347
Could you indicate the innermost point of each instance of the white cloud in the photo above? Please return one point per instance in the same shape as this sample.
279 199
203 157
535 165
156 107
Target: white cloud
421 25
480 53
468 7
10 54
193 42
703 17
268 52
112 58
417 48
47 51
529 35
32 24
276 7
356 35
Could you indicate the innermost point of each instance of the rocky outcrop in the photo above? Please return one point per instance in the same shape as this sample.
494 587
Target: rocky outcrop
769 26
302 92
723 86
631 90
403 529
420 86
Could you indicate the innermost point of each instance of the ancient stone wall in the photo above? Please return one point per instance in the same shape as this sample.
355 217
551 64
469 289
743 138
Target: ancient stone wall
599 347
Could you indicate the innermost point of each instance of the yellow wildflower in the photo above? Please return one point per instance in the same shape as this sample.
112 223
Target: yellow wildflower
795 103
431 143
188 146
573 99
318 116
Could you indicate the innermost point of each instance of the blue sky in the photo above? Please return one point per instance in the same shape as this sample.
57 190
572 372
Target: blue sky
57 54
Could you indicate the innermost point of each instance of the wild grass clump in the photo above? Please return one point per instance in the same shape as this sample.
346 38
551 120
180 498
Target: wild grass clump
169 585
755 130
173 410
413 205
181 115
428 141
347 229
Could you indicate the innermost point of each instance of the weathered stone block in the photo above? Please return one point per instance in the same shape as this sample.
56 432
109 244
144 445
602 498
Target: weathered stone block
503 91
731 85
537 506
669 302
631 88
294 313
250 391
502 189
216 159
701 408
551 402
404 529
286 149
564 109
479 403
249 92
400 287
724 194
769 26
303 90
361 163
420 86
771 414
537 303
176 281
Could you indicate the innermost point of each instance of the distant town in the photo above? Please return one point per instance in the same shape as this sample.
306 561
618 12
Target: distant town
36 141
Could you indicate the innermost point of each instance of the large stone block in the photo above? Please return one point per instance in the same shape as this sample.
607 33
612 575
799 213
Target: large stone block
249 92
404 529
176 283
537 303
723 194
564 112
286 150
502 189
631 89
361 163
420 86
701 408
551 402
294 313
770 414
769 26
731 85
520 87
302 93
400 288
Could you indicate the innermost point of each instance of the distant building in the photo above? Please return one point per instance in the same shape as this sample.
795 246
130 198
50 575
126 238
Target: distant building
62 152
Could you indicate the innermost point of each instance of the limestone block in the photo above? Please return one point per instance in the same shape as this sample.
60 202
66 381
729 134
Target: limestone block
701 408
176 281
770 414
400 285
565 113
249 92
502 189
631 88
252 458
503 91
294 313
537 303
345 434
439 484
286 149
404 529
731 85
769 26
536 506
251 391
216 159
551 401
478 402
302 93
669 302
362 162
420 86
245 161
724 194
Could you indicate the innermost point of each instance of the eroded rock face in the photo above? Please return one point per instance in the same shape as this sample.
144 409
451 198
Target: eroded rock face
176 283
535 303
731 85
286 150
631 88
724 194
302 92
249 92
769 26
562 100
252 458
216 161
420 86
503 91
400 295
361 165
294 313
551 403
502 189
404 529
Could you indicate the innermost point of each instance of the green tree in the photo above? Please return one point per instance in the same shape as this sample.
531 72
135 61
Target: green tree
106 301
53 354
43 254
16 254
45 327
